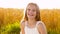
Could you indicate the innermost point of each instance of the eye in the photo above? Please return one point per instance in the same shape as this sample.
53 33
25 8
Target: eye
28 9
33 10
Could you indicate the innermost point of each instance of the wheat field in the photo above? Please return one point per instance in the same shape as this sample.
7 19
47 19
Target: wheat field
10 19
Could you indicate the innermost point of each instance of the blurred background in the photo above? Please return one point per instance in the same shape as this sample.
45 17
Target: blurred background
12 12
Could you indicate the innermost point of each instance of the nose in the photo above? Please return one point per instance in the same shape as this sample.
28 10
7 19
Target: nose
30 12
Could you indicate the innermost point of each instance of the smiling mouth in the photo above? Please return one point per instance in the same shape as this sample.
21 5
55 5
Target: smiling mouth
30 14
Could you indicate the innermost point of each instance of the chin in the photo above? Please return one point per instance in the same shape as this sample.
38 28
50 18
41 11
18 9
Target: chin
30 17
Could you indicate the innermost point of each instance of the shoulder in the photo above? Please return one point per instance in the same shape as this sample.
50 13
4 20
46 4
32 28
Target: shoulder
41 24
22 27
23 24
41 27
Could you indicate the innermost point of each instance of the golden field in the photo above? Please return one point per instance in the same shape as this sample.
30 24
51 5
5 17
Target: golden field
10 19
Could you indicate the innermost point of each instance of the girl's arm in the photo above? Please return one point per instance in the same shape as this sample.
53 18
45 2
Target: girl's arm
22 28
42 28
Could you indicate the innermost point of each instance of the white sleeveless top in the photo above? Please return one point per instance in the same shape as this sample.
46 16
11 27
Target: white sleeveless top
31 30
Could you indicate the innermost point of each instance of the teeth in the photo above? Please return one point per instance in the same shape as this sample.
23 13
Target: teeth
30 14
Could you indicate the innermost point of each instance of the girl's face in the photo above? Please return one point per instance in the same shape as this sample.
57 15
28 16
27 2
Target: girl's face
31 12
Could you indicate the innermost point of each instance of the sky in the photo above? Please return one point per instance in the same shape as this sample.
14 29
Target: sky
43 4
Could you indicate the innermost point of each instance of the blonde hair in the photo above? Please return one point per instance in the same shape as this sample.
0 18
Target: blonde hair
37 12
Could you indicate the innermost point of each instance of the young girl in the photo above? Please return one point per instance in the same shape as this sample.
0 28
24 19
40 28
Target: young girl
32 23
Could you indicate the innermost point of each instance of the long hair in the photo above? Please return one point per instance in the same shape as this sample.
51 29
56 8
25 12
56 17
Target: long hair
37 12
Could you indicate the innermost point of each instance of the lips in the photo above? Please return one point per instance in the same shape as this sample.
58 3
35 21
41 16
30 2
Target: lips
30 14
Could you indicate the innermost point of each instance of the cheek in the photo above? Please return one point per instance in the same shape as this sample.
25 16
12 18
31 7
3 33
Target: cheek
35 13
27 12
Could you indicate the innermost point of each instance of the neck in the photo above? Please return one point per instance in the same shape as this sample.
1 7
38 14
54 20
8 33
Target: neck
31 21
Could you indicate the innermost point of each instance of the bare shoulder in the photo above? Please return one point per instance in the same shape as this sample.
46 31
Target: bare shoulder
42 28
23 24
41 24
22 27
